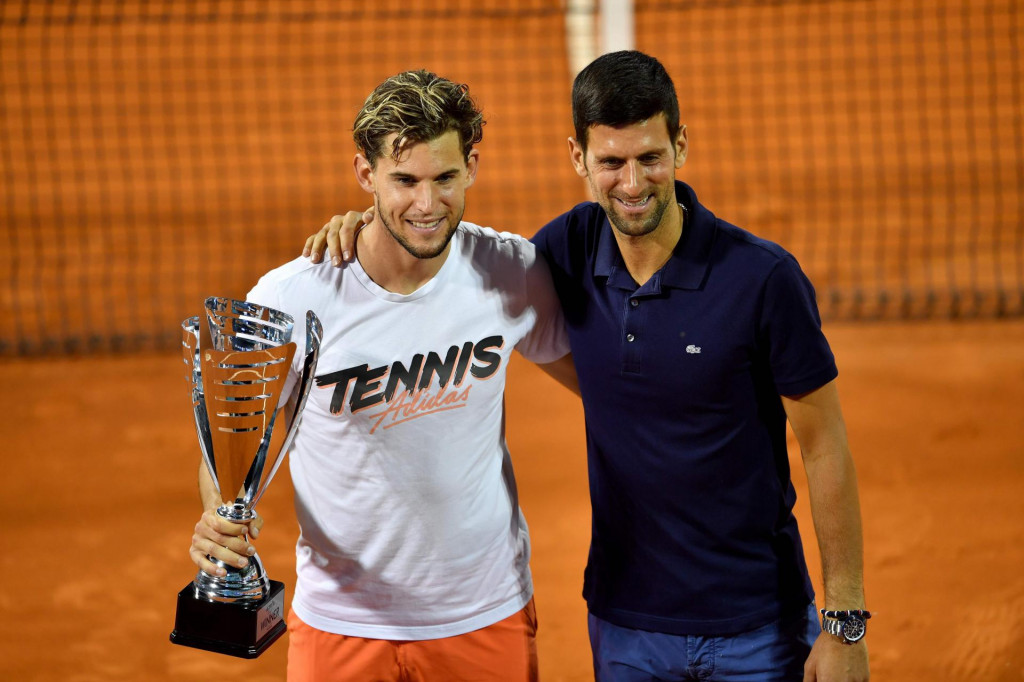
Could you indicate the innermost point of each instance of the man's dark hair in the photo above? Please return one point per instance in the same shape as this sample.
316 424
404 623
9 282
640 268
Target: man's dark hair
622 88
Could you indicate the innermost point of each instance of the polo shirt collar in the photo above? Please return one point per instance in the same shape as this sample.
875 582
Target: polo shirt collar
689 261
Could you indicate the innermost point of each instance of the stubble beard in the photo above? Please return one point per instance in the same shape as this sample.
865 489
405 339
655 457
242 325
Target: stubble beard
633 228
421 253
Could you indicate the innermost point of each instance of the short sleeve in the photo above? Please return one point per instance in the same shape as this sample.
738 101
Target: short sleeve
548 339
267 293
790 331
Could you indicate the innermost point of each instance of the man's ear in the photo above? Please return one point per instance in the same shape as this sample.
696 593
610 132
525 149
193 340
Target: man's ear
578 157
472 164
364 173
681 147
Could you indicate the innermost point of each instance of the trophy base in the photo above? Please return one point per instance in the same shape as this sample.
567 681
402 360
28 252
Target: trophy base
239 629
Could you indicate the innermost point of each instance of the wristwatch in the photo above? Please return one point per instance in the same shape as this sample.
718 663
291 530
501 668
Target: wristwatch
848 626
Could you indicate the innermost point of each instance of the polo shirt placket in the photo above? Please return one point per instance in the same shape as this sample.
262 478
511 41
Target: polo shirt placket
636 313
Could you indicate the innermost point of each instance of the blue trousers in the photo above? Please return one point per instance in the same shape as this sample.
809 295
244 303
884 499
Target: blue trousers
773 653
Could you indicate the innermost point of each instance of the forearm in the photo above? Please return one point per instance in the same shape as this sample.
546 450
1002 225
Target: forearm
817 421
208 495
835 506
216 538
563 371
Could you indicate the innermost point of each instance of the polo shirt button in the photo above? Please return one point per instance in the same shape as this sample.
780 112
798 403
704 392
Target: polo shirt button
630 338
633 302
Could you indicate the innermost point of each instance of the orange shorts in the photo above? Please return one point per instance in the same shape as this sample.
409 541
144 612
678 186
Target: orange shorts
503 652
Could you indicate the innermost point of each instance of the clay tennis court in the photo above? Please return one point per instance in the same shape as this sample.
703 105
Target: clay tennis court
152 154
97 497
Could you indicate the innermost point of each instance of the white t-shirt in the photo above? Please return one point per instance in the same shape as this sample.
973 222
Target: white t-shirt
404 492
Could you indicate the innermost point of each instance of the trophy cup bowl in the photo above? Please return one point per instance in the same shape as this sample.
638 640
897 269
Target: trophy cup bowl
236 366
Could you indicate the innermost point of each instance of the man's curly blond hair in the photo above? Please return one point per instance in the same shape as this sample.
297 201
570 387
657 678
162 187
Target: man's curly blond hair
418 106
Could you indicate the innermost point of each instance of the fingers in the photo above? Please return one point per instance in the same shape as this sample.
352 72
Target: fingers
255 526
222 540
202 559
204 564
346 229
337 237
316 243
341 236
338 254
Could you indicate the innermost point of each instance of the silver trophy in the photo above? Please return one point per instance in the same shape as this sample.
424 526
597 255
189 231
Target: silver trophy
237 365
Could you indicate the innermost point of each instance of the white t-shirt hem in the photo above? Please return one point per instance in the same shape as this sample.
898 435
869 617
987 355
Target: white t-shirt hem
412 632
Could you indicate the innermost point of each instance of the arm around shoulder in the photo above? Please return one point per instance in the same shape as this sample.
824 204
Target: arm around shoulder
563 371
547 342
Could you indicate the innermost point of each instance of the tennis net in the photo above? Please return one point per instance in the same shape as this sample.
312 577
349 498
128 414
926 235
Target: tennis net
155 153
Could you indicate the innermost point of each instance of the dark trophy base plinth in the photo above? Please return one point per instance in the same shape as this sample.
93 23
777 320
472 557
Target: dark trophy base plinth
243 630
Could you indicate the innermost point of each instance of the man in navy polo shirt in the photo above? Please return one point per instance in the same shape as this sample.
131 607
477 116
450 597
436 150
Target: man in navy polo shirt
693 342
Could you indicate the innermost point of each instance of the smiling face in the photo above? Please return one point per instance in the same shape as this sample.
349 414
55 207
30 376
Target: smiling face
421 197
631 171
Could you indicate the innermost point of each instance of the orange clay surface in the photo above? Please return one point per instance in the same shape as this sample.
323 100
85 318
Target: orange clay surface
98 503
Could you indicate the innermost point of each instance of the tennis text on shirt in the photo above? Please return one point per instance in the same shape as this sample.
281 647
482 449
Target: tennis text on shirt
373 386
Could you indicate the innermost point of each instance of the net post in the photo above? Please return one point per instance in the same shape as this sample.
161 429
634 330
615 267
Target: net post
617 26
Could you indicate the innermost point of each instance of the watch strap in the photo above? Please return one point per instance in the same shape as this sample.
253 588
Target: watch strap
849 626
833 627
843 615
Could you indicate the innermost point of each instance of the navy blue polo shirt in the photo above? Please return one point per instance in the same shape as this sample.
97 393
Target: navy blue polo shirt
692 523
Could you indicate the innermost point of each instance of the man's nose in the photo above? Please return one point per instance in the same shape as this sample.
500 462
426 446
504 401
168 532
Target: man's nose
425 197
631 173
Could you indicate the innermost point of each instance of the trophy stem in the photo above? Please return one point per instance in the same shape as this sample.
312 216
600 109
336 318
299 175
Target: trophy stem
236 512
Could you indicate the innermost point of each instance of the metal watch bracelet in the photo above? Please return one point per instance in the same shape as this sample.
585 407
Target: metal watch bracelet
849 626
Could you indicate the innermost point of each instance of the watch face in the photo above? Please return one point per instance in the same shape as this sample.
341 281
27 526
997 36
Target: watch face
853 629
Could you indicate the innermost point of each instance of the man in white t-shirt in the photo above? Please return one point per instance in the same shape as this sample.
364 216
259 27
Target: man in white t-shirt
413 558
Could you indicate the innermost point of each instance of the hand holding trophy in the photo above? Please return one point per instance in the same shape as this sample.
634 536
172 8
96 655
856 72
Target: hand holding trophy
237 364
